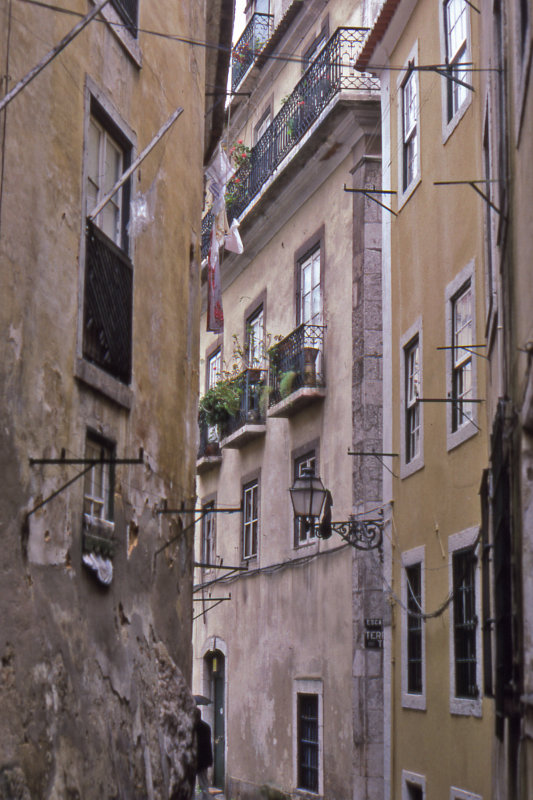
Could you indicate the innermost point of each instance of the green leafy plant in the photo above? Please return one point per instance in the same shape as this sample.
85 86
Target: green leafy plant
286 383
220 402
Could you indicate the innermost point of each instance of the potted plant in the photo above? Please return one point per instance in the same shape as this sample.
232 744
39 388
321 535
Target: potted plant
220 402
286 383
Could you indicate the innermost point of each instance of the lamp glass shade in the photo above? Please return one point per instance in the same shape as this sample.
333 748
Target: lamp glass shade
307 494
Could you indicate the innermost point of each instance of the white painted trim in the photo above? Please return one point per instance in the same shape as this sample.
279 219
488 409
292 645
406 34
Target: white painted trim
410 700
308 686
469 429
412 778
467 706
404 195
408 468
461 794
448 126
116 24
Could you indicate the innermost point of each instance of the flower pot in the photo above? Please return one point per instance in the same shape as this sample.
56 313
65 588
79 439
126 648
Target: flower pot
310 355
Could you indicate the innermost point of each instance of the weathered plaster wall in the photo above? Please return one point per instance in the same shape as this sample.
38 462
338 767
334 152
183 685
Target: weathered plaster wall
93 680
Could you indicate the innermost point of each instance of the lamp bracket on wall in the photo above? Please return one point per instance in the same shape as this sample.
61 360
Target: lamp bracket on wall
474 186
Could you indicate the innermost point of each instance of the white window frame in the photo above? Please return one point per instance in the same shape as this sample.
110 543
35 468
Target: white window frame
461 794
106 144
415 779
465 706
411 557
405 193
308 686
311 260
450 123
248 524
214 368
407 468
208 534
453 290
99 498
255 338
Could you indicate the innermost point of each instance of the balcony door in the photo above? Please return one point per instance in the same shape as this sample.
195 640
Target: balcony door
310 290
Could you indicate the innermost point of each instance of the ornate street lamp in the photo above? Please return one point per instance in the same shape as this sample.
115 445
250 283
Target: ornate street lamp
312 501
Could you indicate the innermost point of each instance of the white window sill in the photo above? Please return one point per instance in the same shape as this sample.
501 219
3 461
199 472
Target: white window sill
449 126
104 383
415 702
460 436
410 467
466 707
406 194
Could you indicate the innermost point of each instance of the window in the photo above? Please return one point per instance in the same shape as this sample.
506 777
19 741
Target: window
262 125
465 635
108 281
310 289
208 534
308 742
412 406
250 519
128 10
461 359
413 629
99 480
464 623
255 338
456 42
214 367
409 100
413 786
302 533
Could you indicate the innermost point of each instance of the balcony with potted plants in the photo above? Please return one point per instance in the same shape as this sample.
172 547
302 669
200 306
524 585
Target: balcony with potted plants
249 47
329 84
297 377
232 413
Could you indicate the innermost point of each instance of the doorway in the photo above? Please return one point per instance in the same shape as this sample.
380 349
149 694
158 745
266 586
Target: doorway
217 675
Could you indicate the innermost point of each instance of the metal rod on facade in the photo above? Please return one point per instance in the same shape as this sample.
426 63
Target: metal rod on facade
51 55
58 491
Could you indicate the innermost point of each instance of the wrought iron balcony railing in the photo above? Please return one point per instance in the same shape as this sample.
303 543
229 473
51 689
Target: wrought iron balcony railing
252 42
128 10
331 72
252 383
108 299
296 362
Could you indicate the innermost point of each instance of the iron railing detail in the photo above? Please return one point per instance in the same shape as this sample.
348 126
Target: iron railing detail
108 300
297 361
209 440
128 10
331 72
252 42
252 383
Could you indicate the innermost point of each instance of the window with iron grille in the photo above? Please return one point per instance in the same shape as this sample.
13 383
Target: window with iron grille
308 742
409 100
250 531
462 337
99 480
412 406
465 623
414 628
208 534
108 286
128 10
303 533
456 37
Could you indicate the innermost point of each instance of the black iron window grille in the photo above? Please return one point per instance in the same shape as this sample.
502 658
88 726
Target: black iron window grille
128 10
108 299
308 742
296 362
331 72
465 622
252 388
414 628
252 42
